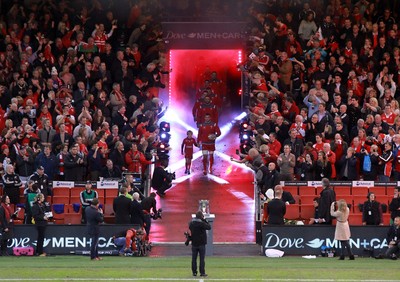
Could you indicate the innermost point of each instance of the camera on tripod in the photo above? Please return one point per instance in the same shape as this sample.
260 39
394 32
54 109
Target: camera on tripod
188 238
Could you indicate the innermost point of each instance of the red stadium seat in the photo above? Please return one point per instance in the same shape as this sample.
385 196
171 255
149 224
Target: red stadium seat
292 189
342 190
292 211
307 199
378 190
386 218
360 191
101 192
307 211
355 219
60 200
61 191
357 200
111 193
307 190
72 218
76 191
73 200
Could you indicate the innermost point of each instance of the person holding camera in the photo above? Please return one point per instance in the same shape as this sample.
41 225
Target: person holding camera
162 179
198 227
41 215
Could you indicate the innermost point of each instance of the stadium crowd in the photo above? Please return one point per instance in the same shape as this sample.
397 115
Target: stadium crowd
324 99
78 89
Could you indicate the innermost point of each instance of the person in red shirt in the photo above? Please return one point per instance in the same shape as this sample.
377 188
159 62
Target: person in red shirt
388 115
187 150
136 160
274 145
208 132
206 107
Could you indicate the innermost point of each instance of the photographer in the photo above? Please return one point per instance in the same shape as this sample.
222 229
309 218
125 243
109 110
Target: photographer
198 227
162 179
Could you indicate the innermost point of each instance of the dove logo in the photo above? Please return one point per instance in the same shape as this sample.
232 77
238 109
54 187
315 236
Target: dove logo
273 241
316 243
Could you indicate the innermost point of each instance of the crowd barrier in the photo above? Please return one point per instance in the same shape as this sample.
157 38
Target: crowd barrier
313 240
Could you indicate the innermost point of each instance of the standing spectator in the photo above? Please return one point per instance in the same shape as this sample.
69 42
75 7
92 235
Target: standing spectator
74 164
110 170
48 161
348 164
87 196
187 150
94 216
327 197
46 134
307 28
286 162
372 211
323 168
276 208
121 207
11 184
386 163
135 160
7 223
394 205
39 214
342 230
42 181
25 162
198 228
95 161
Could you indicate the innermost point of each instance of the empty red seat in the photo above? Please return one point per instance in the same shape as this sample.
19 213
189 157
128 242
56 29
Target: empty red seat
61 191
292 189
342 190
360 191
307 199
355 219
307 211
292 211
307 190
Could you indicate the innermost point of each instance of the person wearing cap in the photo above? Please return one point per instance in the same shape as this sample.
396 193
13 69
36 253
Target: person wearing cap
94 216
42 181
86 197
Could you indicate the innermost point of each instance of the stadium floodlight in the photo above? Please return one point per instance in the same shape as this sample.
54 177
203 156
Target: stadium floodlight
165 126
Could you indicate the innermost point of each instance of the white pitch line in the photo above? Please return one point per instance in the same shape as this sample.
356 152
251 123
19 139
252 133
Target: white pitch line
187 279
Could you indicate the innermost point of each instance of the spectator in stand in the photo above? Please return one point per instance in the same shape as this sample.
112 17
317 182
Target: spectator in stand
348 164
86 197
323 167
11 184
111 171
386 163
41 180
74 164
286 162
135 160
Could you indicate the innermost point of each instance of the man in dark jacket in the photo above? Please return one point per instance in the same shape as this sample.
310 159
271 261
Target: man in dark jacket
94 216
327 197
198 227
393 240
276 208
136 210
122 206
42 181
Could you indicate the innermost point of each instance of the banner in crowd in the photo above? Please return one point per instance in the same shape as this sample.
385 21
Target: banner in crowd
67 184
204 35
107 184
310 240
66 239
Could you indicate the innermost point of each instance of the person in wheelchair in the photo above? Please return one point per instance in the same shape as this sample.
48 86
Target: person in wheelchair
130 241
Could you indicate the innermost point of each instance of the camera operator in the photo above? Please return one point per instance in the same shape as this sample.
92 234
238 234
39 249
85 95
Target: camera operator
149 205
162 179
198 227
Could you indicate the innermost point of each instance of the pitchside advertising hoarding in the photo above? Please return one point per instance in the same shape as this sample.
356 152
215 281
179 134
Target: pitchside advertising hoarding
67 239
309 240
